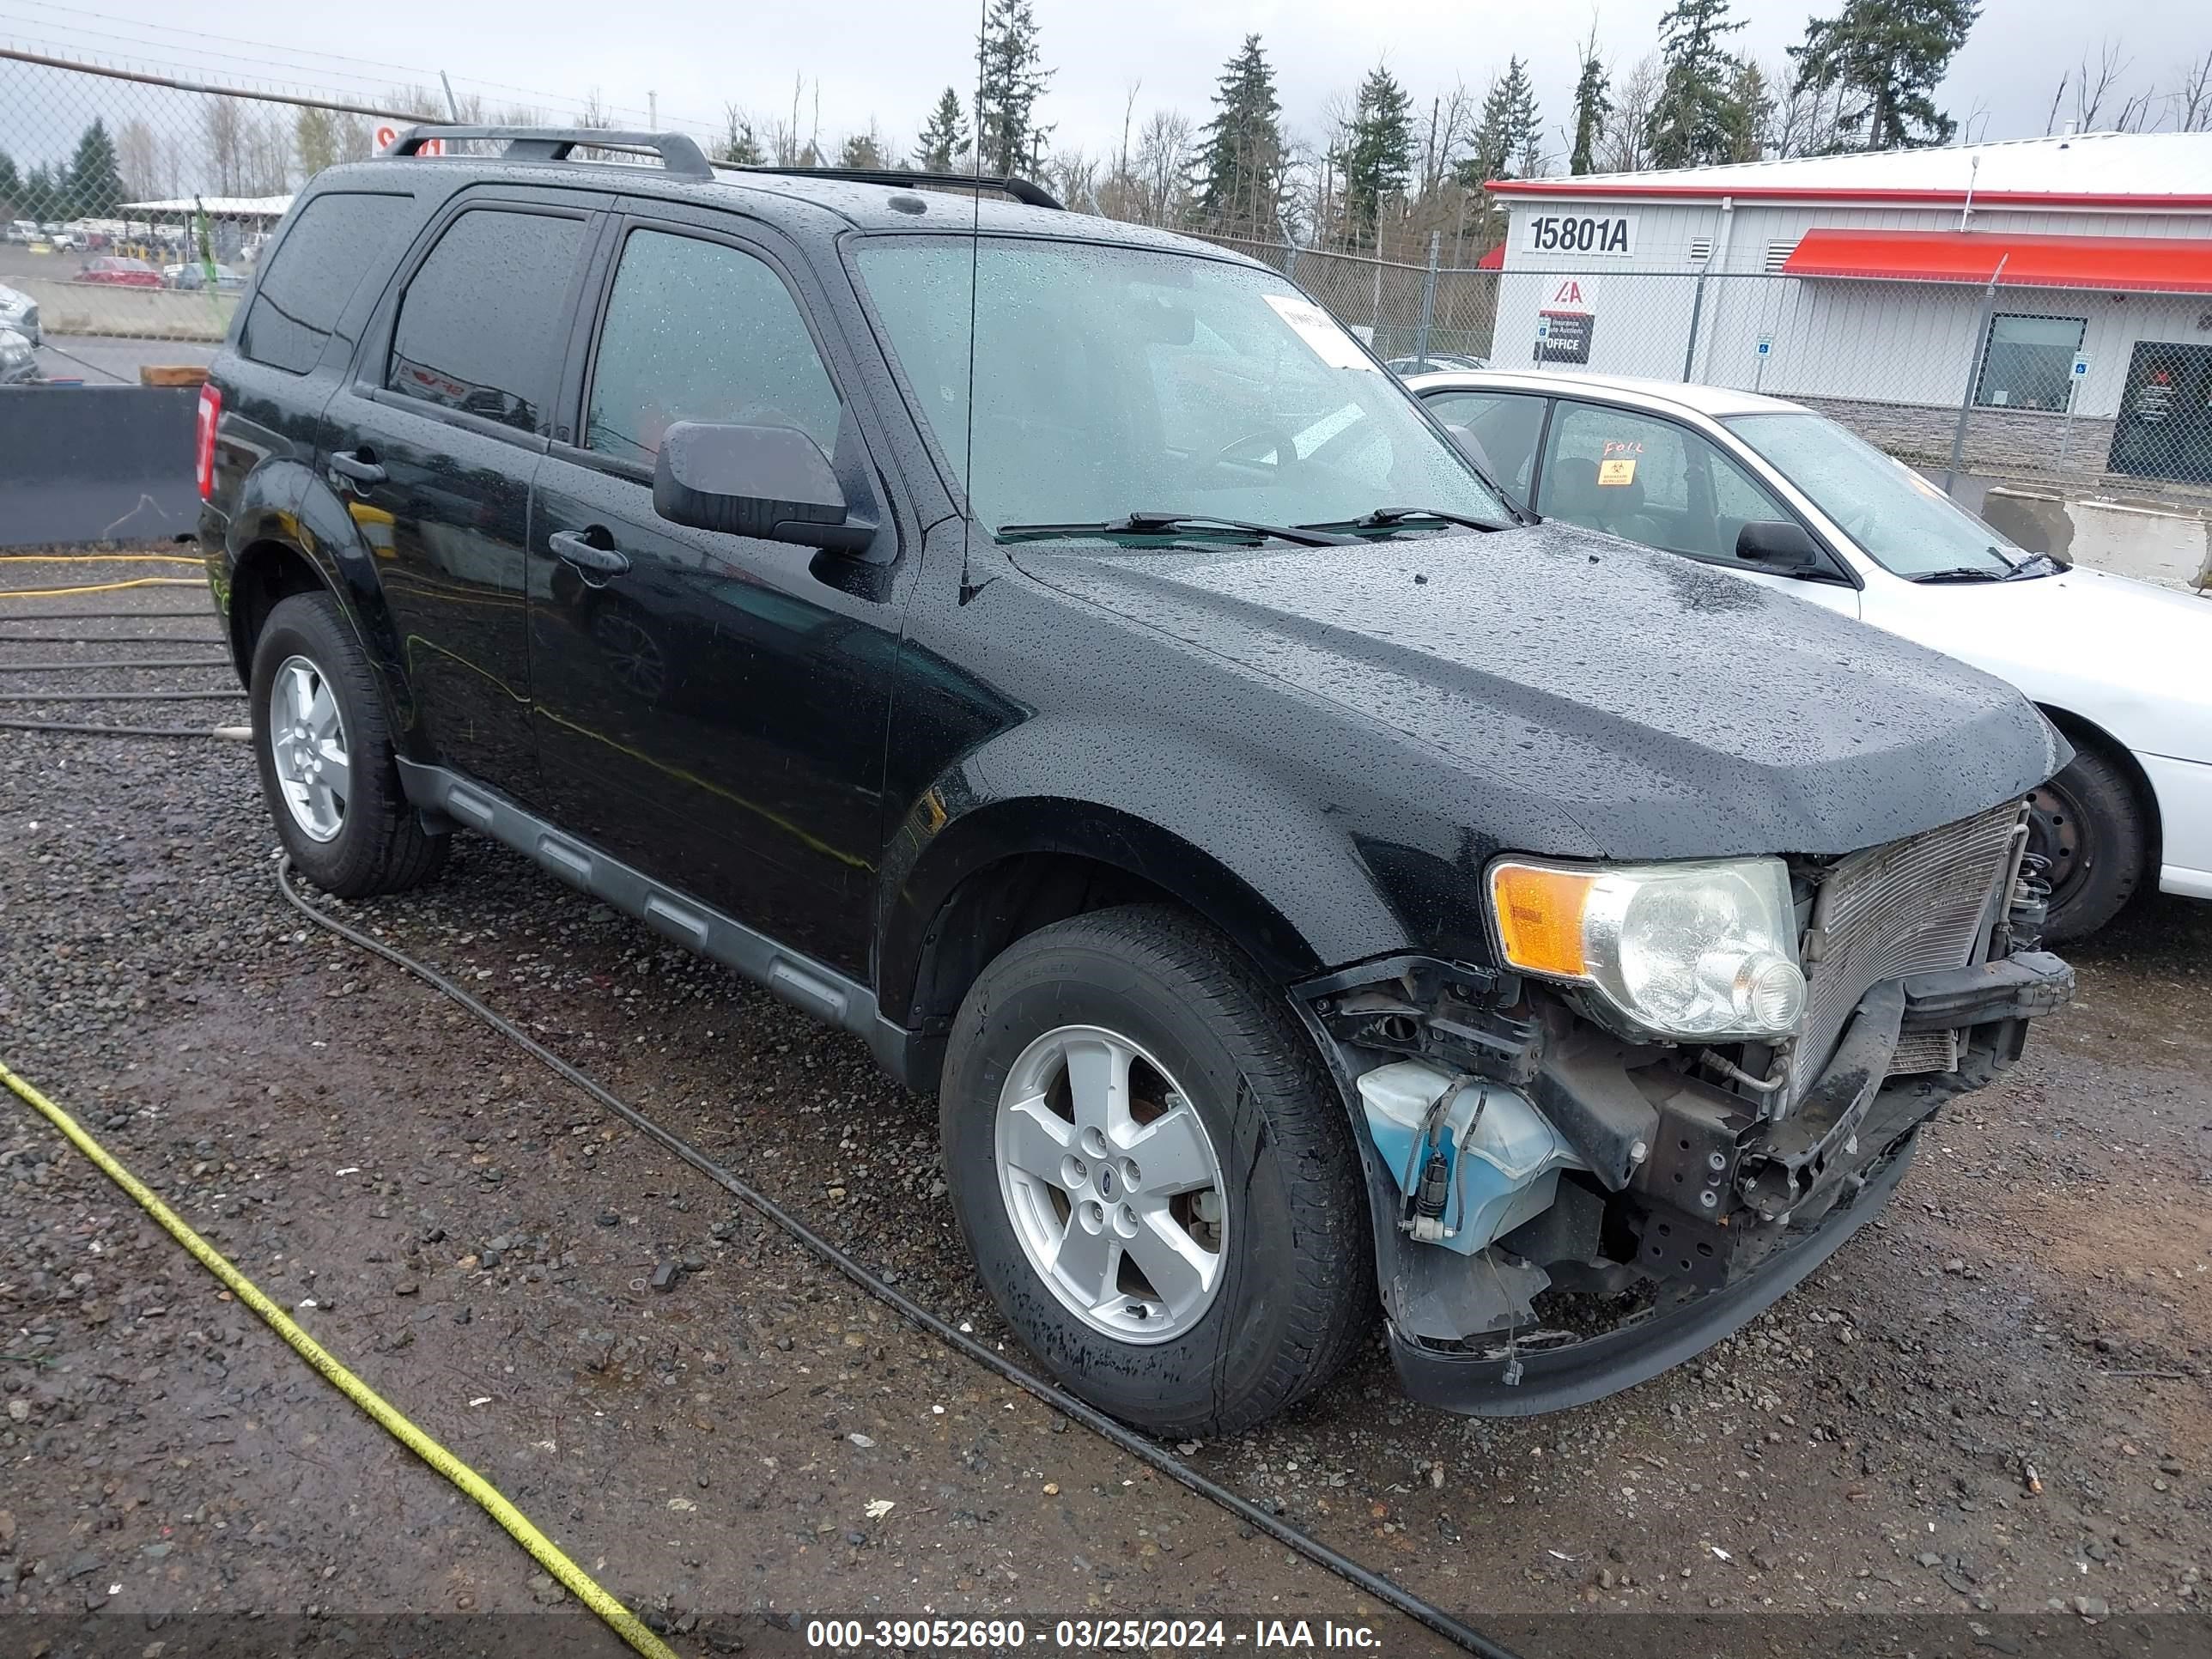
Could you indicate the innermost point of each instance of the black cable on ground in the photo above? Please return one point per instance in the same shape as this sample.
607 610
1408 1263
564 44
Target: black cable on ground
1373 1583
107 639
112 615
228 734
65 667
121 696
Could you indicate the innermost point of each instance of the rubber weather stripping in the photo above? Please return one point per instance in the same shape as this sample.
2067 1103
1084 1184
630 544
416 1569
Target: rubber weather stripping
548 1554
1426 1613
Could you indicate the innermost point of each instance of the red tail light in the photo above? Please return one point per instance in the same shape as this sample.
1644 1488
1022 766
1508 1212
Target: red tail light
211 412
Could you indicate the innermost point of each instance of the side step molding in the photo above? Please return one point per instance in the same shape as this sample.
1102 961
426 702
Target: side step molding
912 1057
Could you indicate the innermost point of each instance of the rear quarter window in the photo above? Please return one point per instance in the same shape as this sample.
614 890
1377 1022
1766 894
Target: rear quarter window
340 238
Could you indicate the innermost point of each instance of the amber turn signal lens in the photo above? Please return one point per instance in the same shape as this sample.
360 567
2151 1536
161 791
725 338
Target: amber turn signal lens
1540 917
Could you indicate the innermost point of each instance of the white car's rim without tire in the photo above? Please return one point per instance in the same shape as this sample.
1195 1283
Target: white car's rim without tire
1112 1185
308 743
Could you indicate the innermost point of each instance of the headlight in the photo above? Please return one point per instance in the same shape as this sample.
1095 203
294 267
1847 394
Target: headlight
1694 950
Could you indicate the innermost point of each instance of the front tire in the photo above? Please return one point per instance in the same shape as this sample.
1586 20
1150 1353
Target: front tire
323 744
2089 826
1155 1173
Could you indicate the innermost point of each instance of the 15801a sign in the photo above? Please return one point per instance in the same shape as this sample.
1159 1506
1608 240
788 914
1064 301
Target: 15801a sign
1602 233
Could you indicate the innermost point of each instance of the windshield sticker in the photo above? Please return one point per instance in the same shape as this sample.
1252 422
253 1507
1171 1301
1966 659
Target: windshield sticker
1321 332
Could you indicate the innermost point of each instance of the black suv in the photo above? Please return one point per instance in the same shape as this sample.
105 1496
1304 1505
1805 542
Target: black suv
1058 653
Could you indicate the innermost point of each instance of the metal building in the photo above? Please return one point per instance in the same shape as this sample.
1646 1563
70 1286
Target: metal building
2053 295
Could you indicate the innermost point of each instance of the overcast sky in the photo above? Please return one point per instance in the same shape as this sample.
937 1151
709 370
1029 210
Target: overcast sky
888 58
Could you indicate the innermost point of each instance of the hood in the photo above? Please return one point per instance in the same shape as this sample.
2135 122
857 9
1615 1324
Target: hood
2125 654
1669 709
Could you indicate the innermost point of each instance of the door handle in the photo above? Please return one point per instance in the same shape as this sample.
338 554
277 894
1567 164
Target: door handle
361 466
573 547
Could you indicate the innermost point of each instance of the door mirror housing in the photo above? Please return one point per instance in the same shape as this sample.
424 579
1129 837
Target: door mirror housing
769 481
1779 545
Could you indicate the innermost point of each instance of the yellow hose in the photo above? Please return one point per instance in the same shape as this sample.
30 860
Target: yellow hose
578 1583
100 587
100 558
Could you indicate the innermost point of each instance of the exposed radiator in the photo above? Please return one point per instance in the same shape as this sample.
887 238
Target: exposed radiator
1908 906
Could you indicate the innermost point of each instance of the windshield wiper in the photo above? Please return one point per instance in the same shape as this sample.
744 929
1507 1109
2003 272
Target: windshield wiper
1388 518
1964 573
1168 524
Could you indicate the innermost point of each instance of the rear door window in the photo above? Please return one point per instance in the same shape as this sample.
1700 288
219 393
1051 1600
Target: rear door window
1649 480
482 325
339 237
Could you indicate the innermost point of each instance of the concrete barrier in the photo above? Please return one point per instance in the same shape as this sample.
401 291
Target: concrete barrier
96 464
2170 546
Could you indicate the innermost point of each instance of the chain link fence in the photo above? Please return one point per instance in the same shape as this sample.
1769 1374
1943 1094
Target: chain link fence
133 207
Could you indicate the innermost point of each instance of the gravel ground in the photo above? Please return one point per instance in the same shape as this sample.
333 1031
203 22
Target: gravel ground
1982 1426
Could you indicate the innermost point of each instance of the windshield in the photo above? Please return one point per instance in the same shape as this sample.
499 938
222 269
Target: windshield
1900 520
1110 380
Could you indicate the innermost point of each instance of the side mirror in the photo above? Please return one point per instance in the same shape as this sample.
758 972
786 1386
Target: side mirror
1779 545
770 481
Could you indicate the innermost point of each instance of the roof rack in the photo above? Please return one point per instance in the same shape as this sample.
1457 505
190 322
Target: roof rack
681 156
678 154
1021 190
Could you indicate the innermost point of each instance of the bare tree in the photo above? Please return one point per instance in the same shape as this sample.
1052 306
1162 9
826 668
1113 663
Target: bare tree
223 124
1073 177
1163 166
1804 119
2058 97
2091 87
137 157
2190 100
1625 148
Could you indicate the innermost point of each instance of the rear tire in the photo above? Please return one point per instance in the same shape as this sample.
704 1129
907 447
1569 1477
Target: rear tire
2088 823
322 742
1281 1235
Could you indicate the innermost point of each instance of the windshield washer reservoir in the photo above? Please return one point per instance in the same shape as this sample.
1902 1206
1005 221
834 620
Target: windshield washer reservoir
1501 1158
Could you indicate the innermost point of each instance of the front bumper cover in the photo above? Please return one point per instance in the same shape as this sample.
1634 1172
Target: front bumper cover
1825 1172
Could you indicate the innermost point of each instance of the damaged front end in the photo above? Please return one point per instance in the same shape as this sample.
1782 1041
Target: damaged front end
1566 1203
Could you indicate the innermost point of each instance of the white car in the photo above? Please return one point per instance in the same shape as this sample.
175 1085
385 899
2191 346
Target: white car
1786 498
20 312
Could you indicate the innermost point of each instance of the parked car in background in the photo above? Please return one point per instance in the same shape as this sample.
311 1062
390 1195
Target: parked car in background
1402 367
1785 496
19 362
192 275
21 231
20 312
113 270
1301 884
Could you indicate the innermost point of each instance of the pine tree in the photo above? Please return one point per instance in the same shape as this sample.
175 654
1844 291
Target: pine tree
1592 105
1011 78
741 145
96 181
1888 57
1691 120
1514 126
11 186
863 152
1750 111
1240 162
944 138
315 138
1377 158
